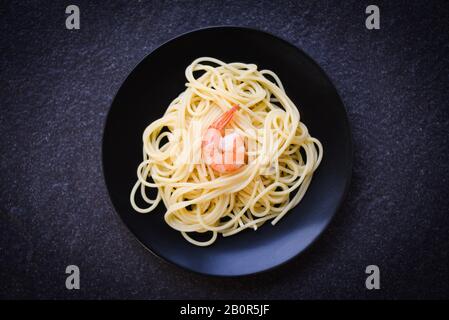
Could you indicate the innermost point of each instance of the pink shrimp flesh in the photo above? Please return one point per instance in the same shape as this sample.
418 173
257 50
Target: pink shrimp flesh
224 153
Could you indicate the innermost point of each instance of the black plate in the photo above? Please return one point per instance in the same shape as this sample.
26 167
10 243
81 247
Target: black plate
158 79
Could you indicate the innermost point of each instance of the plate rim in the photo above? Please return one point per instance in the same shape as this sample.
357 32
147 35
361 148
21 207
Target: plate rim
348 173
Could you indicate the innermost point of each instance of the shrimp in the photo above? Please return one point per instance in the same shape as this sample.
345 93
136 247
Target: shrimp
224 153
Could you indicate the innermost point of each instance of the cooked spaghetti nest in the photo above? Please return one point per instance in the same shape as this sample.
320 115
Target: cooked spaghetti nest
280 154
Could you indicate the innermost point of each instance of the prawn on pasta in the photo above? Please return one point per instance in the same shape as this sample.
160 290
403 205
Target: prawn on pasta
229 154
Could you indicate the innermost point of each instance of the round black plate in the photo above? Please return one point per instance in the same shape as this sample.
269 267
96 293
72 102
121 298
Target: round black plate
158 79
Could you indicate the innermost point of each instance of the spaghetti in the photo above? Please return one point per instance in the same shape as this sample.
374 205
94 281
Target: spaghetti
280 156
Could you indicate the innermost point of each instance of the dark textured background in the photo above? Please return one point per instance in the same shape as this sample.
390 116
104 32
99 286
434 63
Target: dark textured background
56 88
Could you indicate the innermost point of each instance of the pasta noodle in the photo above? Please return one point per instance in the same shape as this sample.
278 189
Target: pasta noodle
280 154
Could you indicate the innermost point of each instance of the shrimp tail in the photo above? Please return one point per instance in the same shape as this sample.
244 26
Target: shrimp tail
224 119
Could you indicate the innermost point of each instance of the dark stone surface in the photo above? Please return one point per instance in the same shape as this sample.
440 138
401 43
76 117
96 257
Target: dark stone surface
56 88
